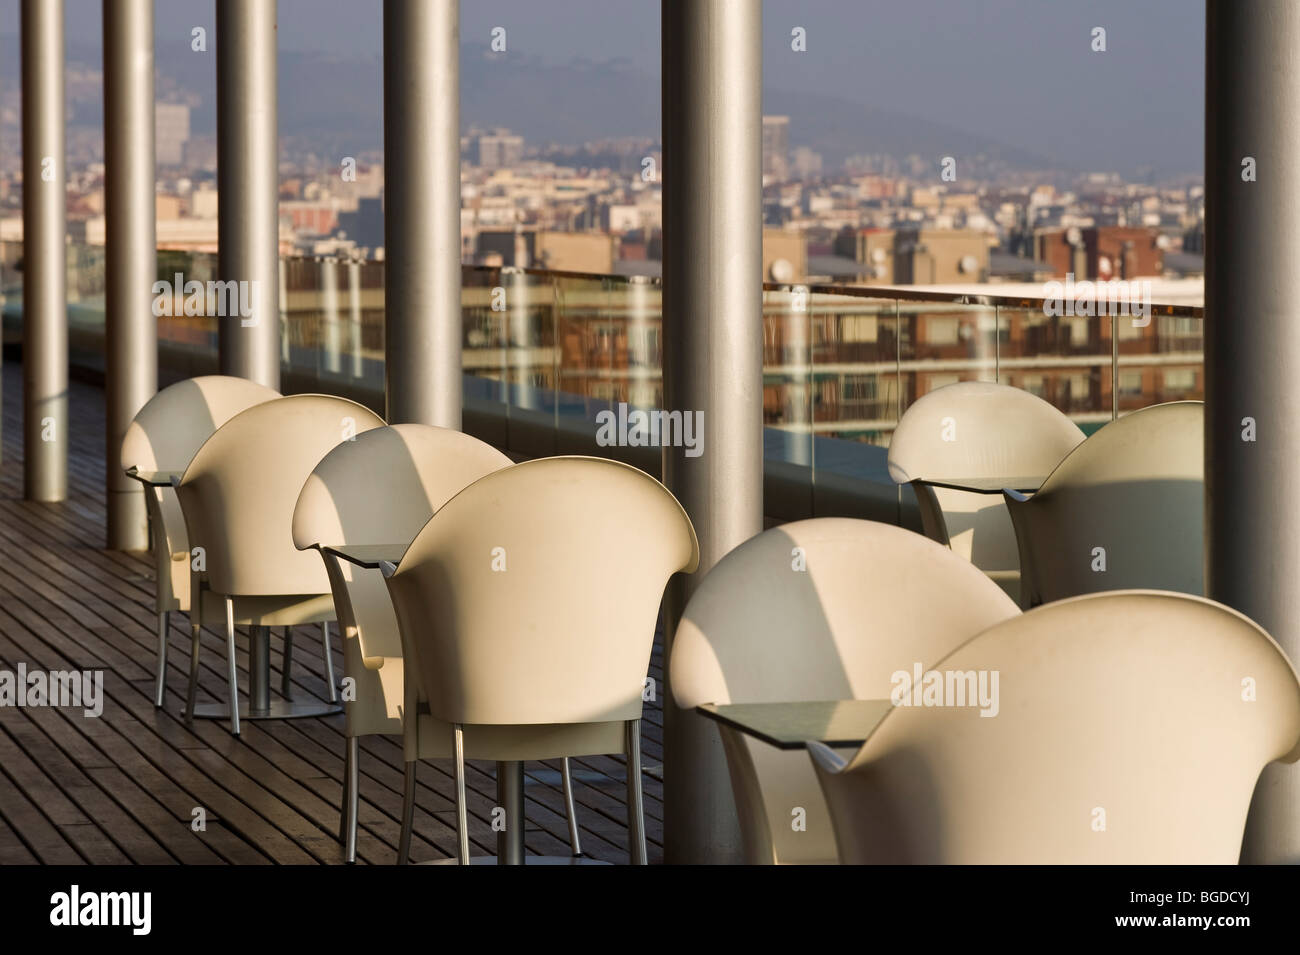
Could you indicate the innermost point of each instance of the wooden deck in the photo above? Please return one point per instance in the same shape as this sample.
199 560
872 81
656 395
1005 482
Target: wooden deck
122 788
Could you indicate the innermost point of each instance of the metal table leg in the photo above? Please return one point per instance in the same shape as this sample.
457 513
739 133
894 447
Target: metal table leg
258 705
510 796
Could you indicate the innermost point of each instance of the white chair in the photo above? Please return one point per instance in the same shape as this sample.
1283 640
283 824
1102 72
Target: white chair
823 609
163 436
983 431
1131 728
527 609
1124 510
422 467
238 496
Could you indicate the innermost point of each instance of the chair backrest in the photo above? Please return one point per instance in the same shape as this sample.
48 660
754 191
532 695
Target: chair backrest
976 429
823 609
382 488
532 595
1124 510
175 422
239 491
1130 727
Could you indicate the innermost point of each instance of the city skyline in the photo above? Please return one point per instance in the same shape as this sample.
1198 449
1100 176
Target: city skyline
1018 74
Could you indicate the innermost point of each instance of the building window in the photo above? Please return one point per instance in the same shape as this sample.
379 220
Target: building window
858 388
1130 384
941 331
858 328
1179 379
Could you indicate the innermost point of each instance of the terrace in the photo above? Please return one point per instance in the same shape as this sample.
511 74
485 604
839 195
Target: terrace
532 363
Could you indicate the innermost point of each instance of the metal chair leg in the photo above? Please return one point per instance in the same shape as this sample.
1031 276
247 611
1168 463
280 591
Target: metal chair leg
408 815
285 684
190 693
635 802
230 656
329 662
164 618
462 820
575 840
350 847
343 803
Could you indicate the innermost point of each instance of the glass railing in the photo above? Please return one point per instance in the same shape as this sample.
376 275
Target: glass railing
545 353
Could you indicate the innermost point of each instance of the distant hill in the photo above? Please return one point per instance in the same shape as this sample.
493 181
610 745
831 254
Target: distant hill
337 102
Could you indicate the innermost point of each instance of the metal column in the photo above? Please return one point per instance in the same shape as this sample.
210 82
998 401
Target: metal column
1252 350
248 220
131 332
713 352
422 318
45 318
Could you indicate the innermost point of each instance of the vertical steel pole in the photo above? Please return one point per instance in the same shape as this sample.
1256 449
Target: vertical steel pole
248 220
713 352
131 333
45 318
1252 350
422 319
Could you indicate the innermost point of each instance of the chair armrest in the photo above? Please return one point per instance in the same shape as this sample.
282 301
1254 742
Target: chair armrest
1013 495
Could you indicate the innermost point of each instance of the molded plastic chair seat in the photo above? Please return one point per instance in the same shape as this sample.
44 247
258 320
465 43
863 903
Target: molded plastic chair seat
527 609
1124 510
423 467
1130 727
823 609
164 436
977 430
238 496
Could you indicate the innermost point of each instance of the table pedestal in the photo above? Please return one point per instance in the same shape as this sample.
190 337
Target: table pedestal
510 796
258 705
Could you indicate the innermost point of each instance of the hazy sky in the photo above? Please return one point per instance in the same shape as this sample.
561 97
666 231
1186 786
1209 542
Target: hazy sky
1019 71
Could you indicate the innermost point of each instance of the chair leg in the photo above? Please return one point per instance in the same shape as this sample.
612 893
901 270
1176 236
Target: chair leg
164 618
350 846
329 662
190 693
230 656
635 801
462 821
575 840
408 815
285 685
343 803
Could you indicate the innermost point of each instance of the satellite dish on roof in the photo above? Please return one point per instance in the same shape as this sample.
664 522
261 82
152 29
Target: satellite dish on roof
1162 242
967 264
878 255
781 270
1073 235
